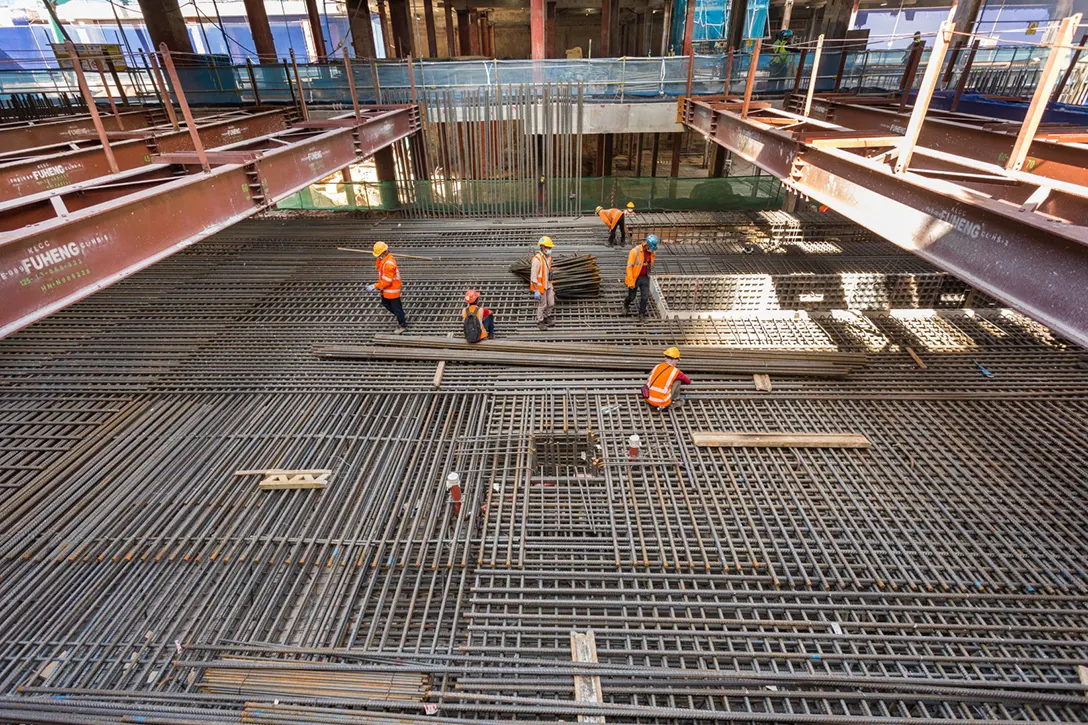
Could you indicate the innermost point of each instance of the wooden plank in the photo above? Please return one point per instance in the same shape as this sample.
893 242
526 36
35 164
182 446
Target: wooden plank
917 360
281 481
762 381
735 439
277 471
587 690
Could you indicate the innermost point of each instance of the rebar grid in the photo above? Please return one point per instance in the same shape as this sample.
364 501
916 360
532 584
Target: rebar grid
937 576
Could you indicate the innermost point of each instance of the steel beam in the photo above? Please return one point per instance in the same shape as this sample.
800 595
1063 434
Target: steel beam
965 136
80 128
1030 261
149 214
30 176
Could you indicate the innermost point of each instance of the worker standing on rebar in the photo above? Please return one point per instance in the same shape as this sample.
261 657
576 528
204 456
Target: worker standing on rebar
540 282
640 264
665 380
479 321
616 220
389 285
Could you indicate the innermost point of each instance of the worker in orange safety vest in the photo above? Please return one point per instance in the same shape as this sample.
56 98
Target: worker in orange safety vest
640 262
389 284
616 220
665 380
478 320
540 283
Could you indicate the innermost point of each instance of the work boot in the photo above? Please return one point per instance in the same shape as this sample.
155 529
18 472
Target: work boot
550 322
627 310
542 325
400 330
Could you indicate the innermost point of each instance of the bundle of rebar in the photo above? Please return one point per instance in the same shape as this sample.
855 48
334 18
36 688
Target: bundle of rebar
255 678
575 277
701 359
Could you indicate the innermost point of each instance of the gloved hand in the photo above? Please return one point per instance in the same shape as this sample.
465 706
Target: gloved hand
536 295
370 288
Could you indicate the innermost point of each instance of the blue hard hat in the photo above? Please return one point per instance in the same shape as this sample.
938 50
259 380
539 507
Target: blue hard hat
651 242
786 34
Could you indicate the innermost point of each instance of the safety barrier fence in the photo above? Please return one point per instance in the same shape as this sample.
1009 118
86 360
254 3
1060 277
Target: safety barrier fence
484 197
1002 70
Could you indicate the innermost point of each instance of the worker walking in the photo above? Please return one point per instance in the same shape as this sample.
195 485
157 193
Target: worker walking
616 220
479 321
540 282
389 285
640 263
665 380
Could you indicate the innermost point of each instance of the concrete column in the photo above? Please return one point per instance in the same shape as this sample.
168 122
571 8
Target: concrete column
549 31
536 28
262 32
362 33
787 14
677 140
432 35
451 40
387 31
400 17
606 30
689 27
718 166
967 15
165 24
481 29
463 35
653 154
736 22
315 30
491 38
474 31
609 141
418 154
666 22
599 161
638 154
387 176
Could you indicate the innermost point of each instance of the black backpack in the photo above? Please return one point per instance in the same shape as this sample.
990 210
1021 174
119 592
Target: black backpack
473 330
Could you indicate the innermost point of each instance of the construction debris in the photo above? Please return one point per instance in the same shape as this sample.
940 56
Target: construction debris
714 439
574 277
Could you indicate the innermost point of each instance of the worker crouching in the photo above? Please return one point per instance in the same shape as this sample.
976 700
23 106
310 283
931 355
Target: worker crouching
665 380
640 264
389 284
479 322
540 282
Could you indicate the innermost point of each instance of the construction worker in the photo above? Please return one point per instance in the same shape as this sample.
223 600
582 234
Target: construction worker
540 282
479 321
780 55
640 263
616 220
389 284
665 380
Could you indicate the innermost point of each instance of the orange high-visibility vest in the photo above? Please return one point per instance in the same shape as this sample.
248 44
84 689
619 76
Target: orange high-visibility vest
388 277
660 384
542 282
610 217
479 313
637 258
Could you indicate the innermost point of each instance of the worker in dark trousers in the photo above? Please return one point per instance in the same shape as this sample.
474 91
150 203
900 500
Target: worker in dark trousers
640 263
616 221
389 285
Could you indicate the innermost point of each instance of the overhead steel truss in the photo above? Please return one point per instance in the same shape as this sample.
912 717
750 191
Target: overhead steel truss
60 245
1015 235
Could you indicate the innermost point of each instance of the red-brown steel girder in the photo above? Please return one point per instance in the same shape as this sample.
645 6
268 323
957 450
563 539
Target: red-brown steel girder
1033 262
80 128
53 263
29 176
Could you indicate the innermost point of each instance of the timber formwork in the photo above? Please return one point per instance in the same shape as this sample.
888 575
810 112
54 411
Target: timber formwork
937 576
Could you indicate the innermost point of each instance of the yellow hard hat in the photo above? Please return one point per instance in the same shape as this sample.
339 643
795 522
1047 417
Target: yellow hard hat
630 205
380 248
546 241
598 211
673 353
